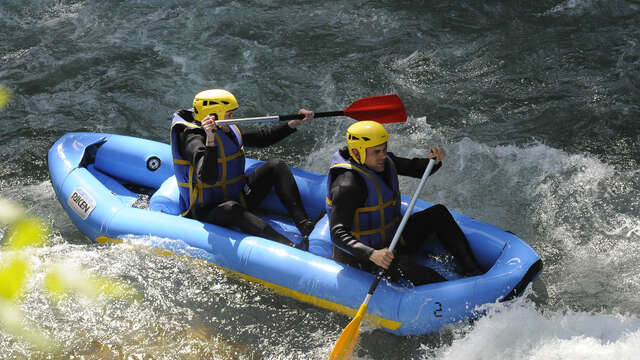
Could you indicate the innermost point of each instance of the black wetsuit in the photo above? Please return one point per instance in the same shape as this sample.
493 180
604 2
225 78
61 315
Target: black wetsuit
273 173
349 192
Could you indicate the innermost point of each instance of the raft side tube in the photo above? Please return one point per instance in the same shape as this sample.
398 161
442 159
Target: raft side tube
521 263
431 306
127 196
89 203
139 161
291 272
68 153
487 241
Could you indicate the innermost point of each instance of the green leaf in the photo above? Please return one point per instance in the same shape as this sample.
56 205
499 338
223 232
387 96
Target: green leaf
5 96
27 232
63 279
13 276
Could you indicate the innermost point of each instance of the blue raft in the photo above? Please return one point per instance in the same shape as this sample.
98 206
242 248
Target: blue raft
120 188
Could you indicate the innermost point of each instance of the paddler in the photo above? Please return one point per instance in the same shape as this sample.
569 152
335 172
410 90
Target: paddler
363 204
209 164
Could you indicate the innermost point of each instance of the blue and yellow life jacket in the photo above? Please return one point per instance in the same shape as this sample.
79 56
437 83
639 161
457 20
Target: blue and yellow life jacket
375 223
231 161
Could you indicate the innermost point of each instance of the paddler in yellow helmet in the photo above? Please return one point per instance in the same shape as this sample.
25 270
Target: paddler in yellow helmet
209 164
363 204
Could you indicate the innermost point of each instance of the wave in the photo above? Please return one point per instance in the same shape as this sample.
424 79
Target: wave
596 8
520 331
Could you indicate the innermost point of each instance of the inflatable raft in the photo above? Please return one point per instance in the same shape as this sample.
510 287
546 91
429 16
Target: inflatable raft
120 188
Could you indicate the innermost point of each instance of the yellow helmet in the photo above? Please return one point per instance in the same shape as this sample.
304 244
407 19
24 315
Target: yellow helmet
214 101
363 135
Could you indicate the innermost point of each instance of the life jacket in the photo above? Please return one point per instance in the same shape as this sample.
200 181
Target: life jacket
375 223
231 161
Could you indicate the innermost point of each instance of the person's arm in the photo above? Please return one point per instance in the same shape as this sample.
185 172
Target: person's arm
270 136
192 147
414 167
267 136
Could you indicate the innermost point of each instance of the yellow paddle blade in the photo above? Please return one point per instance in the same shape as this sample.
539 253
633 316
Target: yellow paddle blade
349 337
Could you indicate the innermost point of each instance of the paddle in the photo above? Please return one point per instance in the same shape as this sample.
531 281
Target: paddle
383 109
349 337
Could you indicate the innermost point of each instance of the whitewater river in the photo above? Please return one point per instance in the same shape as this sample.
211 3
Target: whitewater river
537 105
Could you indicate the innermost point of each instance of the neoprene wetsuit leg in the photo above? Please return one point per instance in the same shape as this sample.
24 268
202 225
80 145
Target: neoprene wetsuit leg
232 214
437 219
274 173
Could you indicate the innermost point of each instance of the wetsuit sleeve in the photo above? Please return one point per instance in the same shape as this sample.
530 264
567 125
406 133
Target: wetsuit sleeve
347 196
412 167
204 158
267 136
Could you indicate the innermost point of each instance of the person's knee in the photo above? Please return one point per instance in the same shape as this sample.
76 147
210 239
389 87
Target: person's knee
430 215
224 214
440 211
231 208
278 165
439 208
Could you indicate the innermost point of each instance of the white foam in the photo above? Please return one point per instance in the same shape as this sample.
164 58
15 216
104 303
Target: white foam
573 7
518 331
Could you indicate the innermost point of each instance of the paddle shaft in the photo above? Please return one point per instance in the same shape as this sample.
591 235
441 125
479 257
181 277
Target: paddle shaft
382 109
396 237
277 118
347 340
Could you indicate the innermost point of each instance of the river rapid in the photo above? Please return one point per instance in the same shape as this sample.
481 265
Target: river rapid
537 105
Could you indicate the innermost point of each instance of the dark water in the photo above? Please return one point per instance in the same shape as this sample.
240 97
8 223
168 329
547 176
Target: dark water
537 105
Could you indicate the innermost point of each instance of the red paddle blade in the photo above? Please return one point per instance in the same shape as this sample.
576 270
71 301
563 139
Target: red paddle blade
383 109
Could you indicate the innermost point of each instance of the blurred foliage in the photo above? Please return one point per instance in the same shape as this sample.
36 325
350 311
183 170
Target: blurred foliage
24 232
13 276
63 279
5 96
